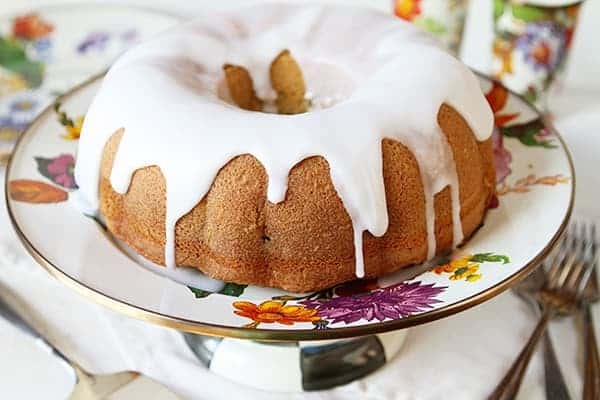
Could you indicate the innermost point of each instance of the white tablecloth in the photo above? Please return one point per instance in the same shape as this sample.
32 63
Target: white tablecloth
461 357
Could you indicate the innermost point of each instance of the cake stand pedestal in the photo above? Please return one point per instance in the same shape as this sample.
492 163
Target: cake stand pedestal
296 366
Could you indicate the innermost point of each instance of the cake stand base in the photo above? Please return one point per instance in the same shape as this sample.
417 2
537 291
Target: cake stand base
295 366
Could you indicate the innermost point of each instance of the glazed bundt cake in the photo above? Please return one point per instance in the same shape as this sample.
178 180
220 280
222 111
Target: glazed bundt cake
289 146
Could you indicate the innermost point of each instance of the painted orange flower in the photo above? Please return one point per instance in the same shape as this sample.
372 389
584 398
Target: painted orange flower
407 9
541 53
271 311
31 27
497 98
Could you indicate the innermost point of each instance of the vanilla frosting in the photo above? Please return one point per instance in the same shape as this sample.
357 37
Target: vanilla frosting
369 76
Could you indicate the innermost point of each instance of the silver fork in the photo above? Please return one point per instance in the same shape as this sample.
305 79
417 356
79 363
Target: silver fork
591 384
562 293
554 381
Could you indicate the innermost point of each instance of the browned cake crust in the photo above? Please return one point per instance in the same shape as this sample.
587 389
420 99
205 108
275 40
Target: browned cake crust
306 242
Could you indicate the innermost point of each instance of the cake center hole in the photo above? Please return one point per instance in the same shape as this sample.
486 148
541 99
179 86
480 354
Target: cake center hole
290 90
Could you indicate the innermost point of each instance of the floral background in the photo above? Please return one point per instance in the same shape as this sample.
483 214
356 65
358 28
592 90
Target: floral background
444 19
531 44
42 56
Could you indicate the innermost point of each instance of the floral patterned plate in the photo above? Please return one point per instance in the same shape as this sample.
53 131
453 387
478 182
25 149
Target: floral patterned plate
45 52
535 196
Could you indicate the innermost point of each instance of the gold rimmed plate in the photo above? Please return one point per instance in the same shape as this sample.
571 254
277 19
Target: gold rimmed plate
535 197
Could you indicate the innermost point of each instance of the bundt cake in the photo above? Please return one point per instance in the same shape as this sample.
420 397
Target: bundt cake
289 146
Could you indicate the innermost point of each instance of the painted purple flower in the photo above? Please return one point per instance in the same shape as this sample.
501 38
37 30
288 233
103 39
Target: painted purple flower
10 124
502 157
59 170
392 302
129 36
542 45
93 41
17 111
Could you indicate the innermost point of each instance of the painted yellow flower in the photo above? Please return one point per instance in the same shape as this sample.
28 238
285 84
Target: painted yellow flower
464 272
452 265
467 267
407 9
473 278
503 50
271 311
72 127
11 83
8 134
73 132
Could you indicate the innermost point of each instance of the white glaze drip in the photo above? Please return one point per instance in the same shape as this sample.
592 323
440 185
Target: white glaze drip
380 77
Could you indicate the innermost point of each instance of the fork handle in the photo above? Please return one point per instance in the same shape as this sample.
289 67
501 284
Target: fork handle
556 388
509 386
591 385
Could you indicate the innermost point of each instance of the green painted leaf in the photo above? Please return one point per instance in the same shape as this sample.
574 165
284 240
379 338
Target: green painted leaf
527 134
430 25
498 8
528 13
230 289
287 298
14 58
460 271
42 165
199 293
11 51
320 324
63 118
531 96
31 71
233 289
490 257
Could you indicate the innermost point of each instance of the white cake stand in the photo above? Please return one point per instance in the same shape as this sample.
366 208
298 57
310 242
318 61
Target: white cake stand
280 341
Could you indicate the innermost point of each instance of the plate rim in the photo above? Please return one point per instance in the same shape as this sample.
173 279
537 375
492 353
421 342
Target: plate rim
280 335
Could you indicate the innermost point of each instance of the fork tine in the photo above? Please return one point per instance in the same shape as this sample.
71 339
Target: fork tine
576 275
586 237
555 268
594 241
564 270
565 240
581 283
590 256
568 265
579 272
